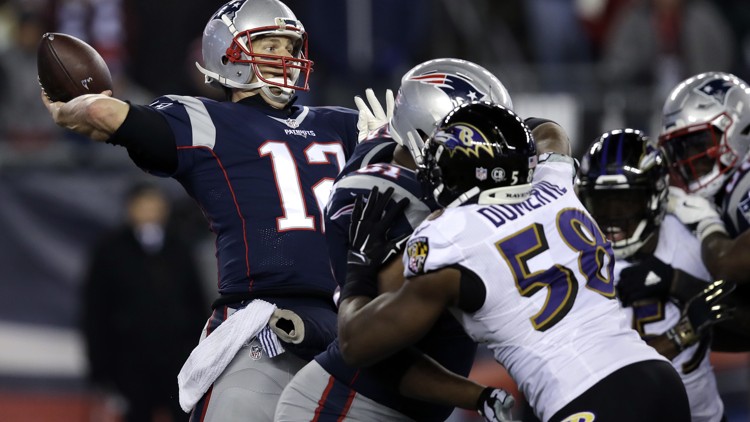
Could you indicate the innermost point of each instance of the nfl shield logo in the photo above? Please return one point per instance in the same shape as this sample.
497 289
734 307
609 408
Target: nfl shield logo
256 352
481 173
292 124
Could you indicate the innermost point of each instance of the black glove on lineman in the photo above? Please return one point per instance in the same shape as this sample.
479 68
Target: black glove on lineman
495 405
700 313
648 279
369 245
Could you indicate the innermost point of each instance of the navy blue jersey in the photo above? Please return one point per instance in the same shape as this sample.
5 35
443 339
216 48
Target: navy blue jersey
262 178
375 149
735 202
360 182
446 342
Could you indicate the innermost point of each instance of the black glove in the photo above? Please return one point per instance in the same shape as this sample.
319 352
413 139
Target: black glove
648 279
495 405
369 244
700 313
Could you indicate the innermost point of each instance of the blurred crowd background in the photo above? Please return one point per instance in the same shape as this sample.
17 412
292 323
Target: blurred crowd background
591 65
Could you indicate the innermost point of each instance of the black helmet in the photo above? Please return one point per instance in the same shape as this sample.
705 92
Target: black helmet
479 148
623 183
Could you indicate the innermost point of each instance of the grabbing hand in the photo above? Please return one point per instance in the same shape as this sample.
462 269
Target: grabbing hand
373 117
701 312
695 212
368 233
648 279
369 243
495 405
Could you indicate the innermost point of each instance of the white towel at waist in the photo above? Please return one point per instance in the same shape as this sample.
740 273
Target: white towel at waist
212 355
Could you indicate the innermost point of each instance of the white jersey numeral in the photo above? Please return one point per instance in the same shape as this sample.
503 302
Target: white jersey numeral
289 186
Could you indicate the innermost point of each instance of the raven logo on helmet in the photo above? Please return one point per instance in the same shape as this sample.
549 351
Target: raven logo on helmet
454 85
716 89
465 138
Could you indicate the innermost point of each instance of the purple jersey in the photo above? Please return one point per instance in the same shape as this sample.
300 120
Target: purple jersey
262 177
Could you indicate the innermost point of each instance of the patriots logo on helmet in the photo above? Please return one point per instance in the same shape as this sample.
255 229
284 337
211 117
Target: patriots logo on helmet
229 9
716 88
466 139
455 85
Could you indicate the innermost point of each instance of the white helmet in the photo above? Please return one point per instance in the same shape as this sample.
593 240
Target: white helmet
431 90
228 57
706 131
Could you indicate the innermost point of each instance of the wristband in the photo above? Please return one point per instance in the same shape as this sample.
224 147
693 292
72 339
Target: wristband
681 335
710 226
359 283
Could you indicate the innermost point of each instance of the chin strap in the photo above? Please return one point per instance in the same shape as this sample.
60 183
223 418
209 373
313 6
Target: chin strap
505 195
464 197
283 97
214 78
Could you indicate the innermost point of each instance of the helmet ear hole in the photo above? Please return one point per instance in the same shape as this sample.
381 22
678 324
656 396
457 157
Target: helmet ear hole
224 60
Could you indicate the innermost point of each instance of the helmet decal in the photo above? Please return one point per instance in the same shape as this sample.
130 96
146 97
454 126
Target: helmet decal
454 85
430 90
229 9
480 152
716 89
466 139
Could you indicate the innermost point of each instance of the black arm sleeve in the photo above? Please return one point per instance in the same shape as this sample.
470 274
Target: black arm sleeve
472 293
148 138
534 122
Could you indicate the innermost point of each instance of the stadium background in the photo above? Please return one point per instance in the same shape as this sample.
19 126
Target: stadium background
561 59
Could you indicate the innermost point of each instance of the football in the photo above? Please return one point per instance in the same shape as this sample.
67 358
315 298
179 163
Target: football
68 67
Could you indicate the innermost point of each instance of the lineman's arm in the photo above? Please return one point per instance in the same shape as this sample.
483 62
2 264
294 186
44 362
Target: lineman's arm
372 329
663 345
426 380
429 381
549 136
726 258
96 116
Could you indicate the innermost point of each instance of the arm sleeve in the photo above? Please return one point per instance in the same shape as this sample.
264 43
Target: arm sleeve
149 140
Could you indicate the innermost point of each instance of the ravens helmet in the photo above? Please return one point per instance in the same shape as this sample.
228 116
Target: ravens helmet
706 131
623 182
228 56
433 88
480 152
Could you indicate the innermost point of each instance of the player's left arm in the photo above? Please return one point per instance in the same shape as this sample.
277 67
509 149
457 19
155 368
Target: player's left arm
371 329
726 258
549 136
428 381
